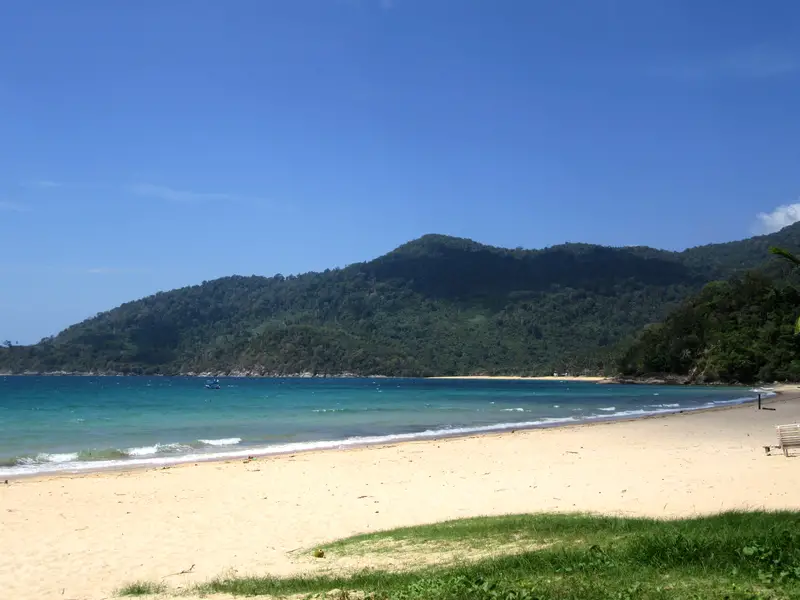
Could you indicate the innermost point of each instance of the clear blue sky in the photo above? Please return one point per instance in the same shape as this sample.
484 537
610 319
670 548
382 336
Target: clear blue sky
153 144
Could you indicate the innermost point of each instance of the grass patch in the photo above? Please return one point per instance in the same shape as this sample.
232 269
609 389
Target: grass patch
141 588
738 556
489 532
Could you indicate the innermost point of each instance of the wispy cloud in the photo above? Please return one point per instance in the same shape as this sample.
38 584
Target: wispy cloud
29 269
173 195
13 207
49 184
46 183
187 196
761 62
776 220
114 270
150 190
758 62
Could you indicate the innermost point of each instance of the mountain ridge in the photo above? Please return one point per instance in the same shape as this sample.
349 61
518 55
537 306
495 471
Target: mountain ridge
437 305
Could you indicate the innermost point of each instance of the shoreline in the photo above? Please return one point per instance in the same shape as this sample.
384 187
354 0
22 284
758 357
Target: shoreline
87 468
572 378
201 375
96 531
665 380
305 375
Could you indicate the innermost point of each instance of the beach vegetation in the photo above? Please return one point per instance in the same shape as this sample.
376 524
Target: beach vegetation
737 555
141 588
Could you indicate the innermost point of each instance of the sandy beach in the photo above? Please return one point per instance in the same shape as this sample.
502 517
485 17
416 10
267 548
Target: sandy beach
82 536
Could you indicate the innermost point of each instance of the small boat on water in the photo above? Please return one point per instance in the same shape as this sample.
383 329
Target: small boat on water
212 384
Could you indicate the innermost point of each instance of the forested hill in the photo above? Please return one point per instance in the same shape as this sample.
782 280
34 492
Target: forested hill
435 306
737 331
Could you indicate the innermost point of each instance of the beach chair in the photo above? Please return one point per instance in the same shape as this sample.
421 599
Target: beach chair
788 437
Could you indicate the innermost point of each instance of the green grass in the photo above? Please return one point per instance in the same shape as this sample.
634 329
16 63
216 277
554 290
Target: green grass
486 531
141 588
736 556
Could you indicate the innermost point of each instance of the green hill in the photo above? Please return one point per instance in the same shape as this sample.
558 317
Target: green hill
435 306
736 331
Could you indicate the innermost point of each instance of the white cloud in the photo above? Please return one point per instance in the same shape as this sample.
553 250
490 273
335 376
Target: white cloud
13 207
777 219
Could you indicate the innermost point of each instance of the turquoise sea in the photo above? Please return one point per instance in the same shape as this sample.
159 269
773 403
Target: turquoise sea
77 423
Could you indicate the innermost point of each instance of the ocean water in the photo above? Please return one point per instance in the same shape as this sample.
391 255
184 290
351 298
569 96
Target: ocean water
52 424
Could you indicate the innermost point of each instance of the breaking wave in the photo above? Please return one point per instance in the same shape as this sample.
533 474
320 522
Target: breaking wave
160 454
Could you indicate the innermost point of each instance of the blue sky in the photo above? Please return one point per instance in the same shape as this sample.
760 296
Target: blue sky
149 145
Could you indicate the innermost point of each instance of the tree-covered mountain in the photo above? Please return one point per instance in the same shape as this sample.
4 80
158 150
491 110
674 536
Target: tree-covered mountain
736 331
435 306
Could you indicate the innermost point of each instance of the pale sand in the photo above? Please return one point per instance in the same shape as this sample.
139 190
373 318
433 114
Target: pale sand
586 378
82 536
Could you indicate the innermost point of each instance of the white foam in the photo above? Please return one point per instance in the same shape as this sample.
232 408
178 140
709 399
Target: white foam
156 449
168 454
43 458
608 408
59 458
151 459
630 413
221 442
512 409
142 451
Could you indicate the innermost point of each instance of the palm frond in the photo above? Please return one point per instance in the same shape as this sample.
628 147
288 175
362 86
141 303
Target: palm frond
785 254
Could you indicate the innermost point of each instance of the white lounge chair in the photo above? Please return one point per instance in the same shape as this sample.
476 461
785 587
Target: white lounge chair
788 437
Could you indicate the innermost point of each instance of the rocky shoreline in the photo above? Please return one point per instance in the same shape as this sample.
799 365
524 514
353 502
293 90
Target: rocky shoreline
206 374
656 379
663 379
